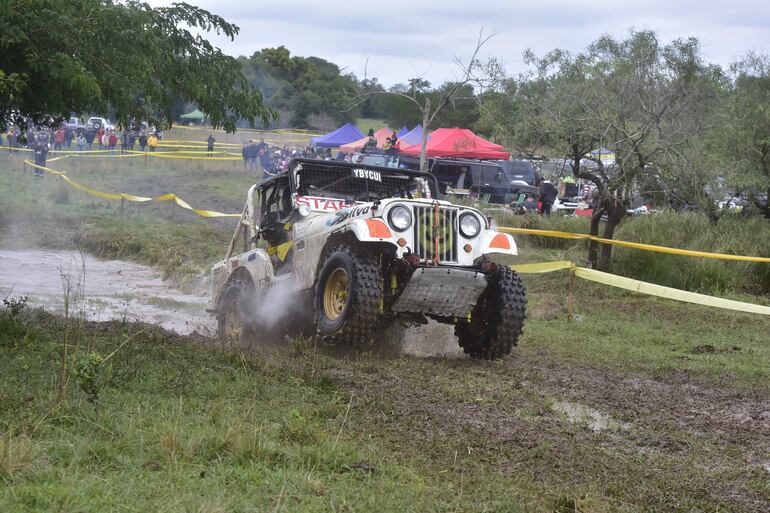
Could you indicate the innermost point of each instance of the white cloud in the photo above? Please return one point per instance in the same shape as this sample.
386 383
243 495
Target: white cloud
403 39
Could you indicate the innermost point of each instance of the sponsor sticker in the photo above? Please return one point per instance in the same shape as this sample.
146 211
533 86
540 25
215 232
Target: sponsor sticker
321 204
347 214
367 174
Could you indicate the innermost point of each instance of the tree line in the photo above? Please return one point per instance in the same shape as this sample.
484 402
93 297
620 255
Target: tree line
680 127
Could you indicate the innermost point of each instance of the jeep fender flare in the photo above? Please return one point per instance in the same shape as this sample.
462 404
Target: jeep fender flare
358 231
253 267
372 229
495 242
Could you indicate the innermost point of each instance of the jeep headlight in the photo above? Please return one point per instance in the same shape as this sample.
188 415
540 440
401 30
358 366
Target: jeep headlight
469 225
400 218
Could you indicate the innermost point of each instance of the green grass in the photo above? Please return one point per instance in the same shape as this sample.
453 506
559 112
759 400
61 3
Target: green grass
181 427
178 428
731 235
366 124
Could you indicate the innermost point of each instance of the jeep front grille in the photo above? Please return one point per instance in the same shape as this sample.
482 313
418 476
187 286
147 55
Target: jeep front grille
425 237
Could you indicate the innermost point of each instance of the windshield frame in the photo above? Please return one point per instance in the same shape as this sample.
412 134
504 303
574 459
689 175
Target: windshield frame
335 165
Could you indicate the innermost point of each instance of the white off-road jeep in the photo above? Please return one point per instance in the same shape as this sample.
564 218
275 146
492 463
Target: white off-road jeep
350 248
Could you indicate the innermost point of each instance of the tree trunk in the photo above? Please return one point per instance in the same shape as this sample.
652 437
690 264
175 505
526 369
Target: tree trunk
423 148
593 252
615 215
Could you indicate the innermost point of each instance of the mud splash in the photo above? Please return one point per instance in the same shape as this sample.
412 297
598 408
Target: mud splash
101 290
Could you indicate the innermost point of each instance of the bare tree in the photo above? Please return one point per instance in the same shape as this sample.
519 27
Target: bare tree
469 74
648 103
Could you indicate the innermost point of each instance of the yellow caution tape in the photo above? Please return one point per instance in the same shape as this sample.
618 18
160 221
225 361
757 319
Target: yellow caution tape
59 158
196 146
199 143
642 287
543 267
635 245
130 197
191 157
668 292
202 213
180 152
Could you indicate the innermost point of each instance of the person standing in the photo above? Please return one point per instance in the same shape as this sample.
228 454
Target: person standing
548 195
68 135
142 141
371 141
41 153
112 141
211 142
152 141
81 141
90 135
58 138
11 138
100 138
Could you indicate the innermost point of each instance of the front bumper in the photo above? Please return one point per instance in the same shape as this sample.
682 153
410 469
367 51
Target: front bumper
443 291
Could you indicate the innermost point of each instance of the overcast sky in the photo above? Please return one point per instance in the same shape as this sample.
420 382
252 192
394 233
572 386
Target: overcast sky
404 39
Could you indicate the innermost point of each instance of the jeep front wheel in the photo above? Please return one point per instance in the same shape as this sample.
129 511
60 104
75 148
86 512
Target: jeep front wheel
348 296
497 319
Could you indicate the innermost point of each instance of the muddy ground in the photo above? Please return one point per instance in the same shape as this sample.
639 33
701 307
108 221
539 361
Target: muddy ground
536 419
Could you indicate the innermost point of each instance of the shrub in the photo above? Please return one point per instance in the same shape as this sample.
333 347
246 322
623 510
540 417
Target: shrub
686 230
695 231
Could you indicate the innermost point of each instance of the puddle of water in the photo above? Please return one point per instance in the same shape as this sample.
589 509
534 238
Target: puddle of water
102 289
595 420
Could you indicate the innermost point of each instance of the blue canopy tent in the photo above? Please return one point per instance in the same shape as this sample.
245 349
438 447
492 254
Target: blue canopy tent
404 130
413 136
347 133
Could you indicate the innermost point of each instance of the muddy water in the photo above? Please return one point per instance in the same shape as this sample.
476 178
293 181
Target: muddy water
101 290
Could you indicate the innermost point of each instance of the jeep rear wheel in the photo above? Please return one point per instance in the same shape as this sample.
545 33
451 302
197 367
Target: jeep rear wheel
235 326
348 296
497 319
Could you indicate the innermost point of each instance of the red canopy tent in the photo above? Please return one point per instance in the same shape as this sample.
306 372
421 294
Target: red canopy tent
380 135
459 143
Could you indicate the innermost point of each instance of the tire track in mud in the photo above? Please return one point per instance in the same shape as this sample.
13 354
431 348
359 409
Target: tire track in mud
695 443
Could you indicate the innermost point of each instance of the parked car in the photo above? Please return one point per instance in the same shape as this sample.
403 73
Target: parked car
499 181
96 122
74 124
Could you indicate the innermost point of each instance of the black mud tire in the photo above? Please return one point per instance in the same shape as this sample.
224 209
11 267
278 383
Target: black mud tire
357 320
235 314
497 320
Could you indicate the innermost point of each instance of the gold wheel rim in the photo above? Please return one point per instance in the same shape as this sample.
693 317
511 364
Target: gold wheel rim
336 293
